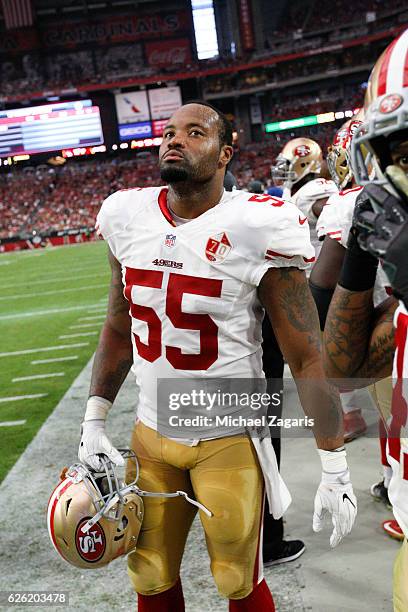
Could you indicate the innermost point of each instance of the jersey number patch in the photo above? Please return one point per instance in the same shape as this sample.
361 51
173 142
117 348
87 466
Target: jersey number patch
178 285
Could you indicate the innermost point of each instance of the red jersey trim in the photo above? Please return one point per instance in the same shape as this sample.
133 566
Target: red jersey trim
162 201
346 191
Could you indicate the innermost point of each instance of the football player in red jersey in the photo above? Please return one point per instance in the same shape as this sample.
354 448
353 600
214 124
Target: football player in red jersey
196 266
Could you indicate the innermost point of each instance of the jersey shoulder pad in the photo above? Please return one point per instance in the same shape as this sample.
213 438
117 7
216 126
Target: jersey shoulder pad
317 188
276 233
120 208
336 218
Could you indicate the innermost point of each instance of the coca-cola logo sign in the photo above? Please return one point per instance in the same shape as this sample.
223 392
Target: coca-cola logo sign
168 53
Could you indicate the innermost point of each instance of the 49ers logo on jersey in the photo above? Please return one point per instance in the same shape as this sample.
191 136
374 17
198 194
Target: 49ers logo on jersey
302 151
218 247
91 545
390 103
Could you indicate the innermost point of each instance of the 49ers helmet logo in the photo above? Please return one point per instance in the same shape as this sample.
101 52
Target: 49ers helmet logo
302 151
218 247
390 103
91 545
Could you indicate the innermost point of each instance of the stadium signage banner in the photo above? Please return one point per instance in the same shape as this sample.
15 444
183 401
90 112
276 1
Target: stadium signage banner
132 107
126 28
135 130
168 52
158 127
164 101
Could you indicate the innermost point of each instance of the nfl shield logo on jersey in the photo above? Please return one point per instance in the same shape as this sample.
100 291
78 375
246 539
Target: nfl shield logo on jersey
218 247
170 240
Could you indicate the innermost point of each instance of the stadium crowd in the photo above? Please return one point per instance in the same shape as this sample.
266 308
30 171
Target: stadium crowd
47 199
34 72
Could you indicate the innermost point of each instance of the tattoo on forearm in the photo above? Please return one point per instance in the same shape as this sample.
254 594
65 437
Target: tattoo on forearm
296 301
351 347
107 381
345 332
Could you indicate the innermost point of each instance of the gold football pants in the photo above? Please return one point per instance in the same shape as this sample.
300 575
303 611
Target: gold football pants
225 476
401 579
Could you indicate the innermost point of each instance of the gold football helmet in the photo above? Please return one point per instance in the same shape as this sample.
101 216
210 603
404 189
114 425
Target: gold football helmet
339 154
93 517
299 157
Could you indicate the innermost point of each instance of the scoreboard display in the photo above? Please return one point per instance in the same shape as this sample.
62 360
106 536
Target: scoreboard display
49 127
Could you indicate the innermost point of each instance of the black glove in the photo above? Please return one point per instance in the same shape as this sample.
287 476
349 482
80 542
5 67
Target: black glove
359 268
387 237
363 220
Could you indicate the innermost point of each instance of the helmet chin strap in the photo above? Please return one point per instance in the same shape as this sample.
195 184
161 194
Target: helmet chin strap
117 495
176 494
133 489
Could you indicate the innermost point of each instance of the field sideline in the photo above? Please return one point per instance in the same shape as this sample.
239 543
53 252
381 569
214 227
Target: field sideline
52 305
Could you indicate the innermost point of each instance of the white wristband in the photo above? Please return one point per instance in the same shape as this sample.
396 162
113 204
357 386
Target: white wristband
97 408
334 461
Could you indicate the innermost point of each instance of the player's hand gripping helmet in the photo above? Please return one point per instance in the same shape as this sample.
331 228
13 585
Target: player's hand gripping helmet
299 157
385 126
93 517
339 153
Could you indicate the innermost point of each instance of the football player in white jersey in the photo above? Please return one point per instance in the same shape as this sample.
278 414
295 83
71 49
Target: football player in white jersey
297 169
333 227
193 268
355 344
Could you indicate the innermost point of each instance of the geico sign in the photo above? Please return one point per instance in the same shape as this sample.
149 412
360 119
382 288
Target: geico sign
136 130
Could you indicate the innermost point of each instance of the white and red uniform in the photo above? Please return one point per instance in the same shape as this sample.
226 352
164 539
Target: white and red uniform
306 196
397 443
193 287
336 217
311 192
335 222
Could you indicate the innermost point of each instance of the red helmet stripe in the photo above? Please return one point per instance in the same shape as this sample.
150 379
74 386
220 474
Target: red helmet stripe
382 77
405 77
61 488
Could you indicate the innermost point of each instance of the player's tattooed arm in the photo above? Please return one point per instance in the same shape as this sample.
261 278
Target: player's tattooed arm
286 296
113 357
358 339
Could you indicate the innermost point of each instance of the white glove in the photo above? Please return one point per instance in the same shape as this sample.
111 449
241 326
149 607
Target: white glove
94 441
335 496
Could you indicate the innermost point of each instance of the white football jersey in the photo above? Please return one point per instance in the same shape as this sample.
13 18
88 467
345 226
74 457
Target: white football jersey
192 288
336 217
311 192
335 222
397 443
304 199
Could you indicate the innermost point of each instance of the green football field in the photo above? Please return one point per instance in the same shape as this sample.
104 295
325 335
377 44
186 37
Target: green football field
52 304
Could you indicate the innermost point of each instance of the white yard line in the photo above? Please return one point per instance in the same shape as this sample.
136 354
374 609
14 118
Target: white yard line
44 348
100 316
38 376
36 313
21 296
82 325
59 279
65 336
12 423
17 398
54 360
